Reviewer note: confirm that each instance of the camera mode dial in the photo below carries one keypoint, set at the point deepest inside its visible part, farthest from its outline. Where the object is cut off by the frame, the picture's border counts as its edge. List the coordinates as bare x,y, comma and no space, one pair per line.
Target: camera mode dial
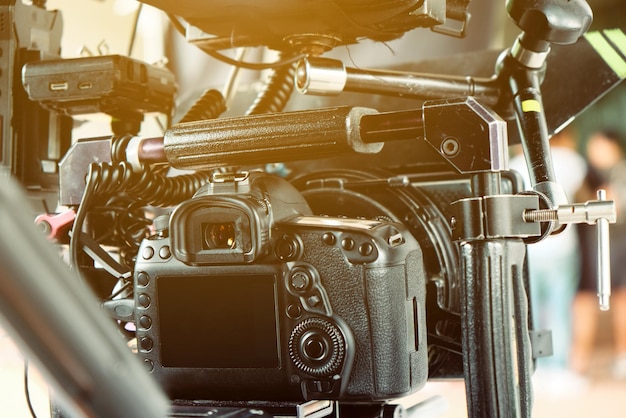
317,347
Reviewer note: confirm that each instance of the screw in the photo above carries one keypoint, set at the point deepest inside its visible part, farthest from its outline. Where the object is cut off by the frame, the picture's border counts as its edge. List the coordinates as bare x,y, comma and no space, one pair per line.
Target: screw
450,146
541,215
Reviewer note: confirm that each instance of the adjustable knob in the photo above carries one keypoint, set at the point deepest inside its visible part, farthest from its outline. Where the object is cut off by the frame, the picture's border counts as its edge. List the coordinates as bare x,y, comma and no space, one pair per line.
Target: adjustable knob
557,21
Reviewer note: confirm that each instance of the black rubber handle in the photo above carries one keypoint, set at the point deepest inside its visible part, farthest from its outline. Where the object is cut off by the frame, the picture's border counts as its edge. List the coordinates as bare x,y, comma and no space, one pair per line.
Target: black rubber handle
267,138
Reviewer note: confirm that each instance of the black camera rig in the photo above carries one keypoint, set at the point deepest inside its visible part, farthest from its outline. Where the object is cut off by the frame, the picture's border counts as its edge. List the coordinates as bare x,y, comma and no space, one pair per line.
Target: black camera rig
335,280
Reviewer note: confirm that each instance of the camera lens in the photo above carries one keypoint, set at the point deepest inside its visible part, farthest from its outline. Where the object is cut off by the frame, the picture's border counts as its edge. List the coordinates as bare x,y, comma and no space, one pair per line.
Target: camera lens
220,236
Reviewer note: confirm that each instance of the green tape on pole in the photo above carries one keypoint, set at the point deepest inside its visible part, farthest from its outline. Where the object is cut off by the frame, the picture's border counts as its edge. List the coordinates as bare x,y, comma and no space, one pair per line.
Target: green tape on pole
612,58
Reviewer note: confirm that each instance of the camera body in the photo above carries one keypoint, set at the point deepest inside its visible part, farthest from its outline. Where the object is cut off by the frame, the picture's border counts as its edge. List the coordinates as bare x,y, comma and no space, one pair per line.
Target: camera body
248,296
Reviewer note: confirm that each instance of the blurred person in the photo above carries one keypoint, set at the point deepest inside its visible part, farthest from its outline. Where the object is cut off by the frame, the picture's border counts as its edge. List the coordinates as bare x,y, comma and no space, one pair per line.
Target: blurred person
554,267
607,170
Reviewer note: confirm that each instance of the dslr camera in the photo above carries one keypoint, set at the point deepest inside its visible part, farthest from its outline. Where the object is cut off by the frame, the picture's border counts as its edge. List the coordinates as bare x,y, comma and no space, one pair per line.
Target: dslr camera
242,293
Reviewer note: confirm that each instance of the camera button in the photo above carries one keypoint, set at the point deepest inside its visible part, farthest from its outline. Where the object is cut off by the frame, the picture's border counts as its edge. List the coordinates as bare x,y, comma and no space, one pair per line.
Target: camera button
165,252
329,239
287,248
314,347
366,249
294,311
146,344
143,300
149,364
347,244
143,278
145,322
299,280
147,253
313,300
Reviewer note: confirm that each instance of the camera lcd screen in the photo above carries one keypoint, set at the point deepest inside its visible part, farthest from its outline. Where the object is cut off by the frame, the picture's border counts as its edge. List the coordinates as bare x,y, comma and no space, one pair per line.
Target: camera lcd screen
218,322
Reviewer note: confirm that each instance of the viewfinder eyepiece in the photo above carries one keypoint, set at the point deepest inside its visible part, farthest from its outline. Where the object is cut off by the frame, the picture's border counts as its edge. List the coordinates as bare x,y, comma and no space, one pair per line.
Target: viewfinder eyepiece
220,235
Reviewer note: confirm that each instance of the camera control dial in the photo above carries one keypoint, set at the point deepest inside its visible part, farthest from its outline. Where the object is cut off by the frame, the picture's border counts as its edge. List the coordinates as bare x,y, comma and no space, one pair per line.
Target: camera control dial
317,347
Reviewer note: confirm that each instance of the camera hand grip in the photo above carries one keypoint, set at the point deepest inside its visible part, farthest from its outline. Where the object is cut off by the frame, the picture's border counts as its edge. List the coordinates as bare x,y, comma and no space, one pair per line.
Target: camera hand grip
267,138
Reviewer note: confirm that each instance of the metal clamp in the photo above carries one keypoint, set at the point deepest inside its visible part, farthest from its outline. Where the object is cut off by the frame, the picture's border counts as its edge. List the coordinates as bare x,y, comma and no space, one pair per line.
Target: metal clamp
600,212
490,217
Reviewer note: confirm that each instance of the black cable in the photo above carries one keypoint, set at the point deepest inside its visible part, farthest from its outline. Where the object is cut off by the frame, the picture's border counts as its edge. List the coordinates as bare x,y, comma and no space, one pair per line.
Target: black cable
276,91
209,106
81,214
126,224
29,402
255,65
243,64
105,180
132,225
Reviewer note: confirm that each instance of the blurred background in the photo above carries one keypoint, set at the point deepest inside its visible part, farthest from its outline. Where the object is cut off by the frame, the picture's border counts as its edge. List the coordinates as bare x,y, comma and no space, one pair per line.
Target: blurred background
590,378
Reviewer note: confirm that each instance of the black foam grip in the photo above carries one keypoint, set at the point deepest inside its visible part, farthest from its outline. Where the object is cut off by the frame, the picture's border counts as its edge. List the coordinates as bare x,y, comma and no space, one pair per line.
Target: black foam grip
268,138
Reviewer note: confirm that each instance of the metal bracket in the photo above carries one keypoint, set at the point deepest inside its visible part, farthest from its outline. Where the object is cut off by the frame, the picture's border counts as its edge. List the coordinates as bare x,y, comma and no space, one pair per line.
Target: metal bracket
470,136
75,163
457,29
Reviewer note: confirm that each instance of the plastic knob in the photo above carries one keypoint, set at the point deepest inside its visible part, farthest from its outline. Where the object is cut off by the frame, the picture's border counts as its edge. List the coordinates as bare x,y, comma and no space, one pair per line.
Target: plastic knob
555,21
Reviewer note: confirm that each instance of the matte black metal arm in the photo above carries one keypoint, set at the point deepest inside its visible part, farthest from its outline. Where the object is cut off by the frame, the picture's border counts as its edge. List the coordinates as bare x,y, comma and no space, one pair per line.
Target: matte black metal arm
543,22
525,88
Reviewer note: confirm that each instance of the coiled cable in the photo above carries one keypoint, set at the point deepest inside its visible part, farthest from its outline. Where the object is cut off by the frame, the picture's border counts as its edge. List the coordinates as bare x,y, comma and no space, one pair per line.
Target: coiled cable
209,106
106,179
144,184
118,147
276,91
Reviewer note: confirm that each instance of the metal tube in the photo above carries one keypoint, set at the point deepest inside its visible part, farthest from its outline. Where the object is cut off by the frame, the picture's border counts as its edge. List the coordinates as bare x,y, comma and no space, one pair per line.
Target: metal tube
604,259
422,86
324,76
151,150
